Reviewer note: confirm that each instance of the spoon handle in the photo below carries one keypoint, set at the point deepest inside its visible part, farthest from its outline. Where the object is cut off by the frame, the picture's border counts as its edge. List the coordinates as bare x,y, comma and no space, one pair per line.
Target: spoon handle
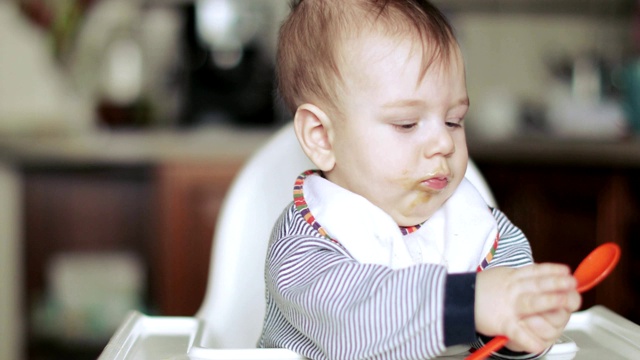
484,352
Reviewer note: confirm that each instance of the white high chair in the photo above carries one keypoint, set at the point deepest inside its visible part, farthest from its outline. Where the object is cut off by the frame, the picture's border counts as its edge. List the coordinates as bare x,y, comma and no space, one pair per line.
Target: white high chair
229,322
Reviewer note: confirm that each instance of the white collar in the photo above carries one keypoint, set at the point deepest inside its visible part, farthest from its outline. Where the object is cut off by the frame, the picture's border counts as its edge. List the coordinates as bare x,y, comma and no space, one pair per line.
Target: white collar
459,235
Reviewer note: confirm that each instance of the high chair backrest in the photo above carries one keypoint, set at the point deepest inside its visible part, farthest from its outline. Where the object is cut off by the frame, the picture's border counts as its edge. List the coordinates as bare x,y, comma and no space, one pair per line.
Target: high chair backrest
233,307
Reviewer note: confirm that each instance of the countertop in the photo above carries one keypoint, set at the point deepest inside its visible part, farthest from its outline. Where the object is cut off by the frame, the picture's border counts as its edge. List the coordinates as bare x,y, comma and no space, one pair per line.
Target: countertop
558,151
135,147
221,143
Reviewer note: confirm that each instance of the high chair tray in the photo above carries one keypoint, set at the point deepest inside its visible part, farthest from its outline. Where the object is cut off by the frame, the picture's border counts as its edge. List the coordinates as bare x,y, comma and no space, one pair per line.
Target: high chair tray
593,334
602,334
142,337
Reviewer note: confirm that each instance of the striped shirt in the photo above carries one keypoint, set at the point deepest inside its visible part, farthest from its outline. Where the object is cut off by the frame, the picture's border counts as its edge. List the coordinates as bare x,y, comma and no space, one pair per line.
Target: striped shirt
323,304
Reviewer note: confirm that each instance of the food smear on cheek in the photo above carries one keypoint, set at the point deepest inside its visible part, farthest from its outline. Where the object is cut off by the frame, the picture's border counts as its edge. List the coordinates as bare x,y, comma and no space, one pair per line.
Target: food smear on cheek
420,195
421,198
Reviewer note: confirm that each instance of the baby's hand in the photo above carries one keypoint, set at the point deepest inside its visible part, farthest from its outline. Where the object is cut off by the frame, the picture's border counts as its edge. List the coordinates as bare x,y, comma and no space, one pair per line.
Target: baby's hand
530,305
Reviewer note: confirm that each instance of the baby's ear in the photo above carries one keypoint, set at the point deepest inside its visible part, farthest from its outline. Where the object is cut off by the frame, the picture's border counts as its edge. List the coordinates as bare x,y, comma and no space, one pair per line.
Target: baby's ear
313,129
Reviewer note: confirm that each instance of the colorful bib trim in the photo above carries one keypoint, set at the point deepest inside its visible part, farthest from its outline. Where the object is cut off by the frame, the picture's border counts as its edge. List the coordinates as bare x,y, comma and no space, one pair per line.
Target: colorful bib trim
301,203
490,255
303,208
406,230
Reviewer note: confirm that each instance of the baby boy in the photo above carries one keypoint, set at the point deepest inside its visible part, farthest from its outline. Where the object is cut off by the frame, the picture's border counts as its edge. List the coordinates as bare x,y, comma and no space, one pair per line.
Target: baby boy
387,251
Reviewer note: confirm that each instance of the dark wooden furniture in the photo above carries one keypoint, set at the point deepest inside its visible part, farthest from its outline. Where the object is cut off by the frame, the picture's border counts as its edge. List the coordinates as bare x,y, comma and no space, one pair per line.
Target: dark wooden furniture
189,198
568,197
164,214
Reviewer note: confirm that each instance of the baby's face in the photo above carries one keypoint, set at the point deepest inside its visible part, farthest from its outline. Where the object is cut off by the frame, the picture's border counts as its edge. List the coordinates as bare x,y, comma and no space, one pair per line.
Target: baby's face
401,142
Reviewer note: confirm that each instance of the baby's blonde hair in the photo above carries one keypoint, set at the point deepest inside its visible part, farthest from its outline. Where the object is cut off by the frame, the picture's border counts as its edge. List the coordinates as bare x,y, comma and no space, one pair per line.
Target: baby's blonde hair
310,39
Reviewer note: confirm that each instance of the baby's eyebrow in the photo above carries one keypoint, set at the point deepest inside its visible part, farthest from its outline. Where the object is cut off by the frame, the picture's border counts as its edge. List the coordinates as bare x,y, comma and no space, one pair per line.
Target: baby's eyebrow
404,103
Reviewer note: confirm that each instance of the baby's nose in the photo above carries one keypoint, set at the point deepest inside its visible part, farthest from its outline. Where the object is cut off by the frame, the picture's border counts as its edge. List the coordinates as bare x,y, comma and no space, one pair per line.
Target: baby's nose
439,142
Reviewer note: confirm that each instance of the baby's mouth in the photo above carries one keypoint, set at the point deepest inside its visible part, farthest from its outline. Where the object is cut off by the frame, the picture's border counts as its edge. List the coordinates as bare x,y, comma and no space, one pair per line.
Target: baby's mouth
437,183
437,179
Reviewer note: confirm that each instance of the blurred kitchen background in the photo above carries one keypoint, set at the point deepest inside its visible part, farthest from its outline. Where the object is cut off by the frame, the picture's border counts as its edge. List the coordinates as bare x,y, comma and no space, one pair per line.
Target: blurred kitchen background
123,122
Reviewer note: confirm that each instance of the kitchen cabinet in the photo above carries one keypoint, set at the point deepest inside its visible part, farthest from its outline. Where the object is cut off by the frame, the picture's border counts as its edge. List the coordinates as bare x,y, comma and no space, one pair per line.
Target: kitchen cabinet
164,214
189,198
569,197
77,210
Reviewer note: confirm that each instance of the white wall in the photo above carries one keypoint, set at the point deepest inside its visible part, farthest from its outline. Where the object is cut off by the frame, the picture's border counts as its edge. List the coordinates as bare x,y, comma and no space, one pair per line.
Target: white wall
508,57
511,50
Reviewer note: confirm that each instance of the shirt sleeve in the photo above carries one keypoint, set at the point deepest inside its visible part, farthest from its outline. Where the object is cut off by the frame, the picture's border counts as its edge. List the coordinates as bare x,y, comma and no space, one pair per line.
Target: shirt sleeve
324,304
459,304
353,310
513,247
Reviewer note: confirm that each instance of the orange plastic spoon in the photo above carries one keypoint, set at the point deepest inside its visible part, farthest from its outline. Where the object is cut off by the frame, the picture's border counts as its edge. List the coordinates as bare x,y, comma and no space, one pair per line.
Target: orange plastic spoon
591,271
597,266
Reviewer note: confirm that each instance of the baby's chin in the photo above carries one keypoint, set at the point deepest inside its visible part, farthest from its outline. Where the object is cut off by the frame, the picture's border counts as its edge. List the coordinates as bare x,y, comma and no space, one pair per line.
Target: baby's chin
407,221
412,214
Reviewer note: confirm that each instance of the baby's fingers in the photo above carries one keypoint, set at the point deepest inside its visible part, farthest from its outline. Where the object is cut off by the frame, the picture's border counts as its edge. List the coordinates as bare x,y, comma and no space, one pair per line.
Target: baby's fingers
548,326
555,283
535,303
574,301
543,270
546,278
558,318
521,338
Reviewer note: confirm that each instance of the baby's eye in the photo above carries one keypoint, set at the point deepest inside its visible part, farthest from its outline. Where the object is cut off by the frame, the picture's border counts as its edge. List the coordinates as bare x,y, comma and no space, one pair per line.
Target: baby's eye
406,126
454,123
